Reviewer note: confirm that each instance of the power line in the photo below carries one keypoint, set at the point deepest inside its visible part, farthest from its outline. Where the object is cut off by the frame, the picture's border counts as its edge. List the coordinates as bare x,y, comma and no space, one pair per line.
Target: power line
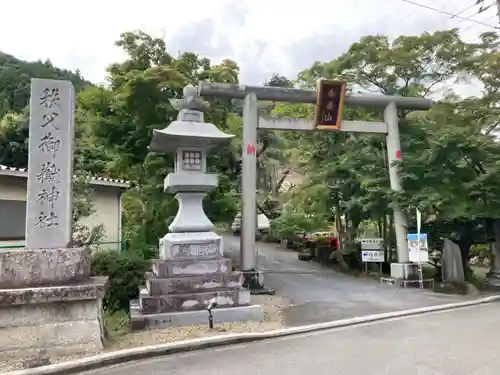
451,14
471,26
481,10
465,9
489,18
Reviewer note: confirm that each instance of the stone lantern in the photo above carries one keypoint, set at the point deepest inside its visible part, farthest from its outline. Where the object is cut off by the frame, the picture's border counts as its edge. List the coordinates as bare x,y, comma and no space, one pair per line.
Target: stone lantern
192,272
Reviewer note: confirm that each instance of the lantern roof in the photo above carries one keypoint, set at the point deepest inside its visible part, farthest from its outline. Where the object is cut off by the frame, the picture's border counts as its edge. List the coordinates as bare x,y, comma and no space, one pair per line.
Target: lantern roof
189,130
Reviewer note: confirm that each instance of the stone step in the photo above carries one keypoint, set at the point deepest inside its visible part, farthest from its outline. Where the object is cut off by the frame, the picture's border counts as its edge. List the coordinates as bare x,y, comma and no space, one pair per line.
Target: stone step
191,301
195,267
192,284
177,319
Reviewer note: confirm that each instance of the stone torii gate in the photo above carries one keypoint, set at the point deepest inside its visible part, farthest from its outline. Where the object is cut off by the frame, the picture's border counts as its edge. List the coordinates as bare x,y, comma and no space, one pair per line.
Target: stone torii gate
403,269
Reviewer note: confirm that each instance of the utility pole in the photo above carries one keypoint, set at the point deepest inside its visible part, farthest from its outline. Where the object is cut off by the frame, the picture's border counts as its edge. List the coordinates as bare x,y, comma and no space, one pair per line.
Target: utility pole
498,9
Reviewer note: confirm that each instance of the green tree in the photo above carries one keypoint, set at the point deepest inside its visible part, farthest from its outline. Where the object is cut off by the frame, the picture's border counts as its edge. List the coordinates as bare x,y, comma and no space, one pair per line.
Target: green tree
449,156
119,121
83,235
15,80
14,140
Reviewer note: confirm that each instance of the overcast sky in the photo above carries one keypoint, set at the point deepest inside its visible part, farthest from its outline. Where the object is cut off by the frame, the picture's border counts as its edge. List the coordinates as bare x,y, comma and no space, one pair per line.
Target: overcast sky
263,36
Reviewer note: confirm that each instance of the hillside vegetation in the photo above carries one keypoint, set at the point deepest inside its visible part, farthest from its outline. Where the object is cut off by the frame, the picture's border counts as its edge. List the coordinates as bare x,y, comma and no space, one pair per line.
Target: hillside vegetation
15,76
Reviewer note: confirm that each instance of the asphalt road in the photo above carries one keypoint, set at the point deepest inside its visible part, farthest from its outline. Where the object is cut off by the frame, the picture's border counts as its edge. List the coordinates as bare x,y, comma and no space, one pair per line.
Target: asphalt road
319,294
459,342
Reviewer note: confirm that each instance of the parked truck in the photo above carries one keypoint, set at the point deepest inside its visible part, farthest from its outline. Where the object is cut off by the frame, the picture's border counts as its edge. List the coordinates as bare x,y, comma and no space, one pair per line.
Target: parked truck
262,225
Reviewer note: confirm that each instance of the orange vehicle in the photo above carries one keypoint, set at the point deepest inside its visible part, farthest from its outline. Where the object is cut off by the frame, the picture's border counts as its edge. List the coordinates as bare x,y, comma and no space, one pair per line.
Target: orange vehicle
330,236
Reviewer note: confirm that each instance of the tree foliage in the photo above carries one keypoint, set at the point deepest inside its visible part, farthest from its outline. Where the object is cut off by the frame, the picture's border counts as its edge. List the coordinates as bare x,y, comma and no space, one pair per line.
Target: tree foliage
15,77
117,123
450,153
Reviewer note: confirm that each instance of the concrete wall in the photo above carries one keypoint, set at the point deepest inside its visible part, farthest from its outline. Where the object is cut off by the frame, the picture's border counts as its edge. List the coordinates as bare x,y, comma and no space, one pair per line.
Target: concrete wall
107,204
106,200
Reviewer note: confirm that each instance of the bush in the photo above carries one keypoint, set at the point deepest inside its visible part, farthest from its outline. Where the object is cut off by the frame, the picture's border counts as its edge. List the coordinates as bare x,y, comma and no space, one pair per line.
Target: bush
126,274
290,225
117,323
352,256
147,252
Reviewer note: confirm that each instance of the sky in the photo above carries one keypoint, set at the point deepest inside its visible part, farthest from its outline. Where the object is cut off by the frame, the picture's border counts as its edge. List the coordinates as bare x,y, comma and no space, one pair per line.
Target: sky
262,36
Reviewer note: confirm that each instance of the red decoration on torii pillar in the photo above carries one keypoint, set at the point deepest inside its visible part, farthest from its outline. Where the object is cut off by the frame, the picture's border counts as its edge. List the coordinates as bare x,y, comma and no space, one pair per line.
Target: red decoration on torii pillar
398,154
251,150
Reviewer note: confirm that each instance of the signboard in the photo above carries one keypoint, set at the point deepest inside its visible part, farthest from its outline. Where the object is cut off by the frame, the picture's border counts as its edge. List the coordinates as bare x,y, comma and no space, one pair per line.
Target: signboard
329,104
374,256
419,253
371,243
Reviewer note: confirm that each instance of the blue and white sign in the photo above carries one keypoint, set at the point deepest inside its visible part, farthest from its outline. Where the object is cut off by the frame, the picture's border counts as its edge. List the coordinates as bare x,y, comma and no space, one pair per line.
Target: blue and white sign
372,256
419,250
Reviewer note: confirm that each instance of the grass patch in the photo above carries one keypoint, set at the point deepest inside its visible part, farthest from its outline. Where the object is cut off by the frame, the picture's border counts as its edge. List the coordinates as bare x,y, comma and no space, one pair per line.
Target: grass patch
117,324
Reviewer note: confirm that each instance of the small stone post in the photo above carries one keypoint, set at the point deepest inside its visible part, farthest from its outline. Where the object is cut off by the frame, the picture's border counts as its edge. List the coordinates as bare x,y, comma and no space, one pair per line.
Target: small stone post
191,272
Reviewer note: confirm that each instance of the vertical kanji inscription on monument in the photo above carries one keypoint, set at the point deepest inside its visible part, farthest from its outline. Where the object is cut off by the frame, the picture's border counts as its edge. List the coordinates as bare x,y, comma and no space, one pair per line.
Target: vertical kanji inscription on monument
50,164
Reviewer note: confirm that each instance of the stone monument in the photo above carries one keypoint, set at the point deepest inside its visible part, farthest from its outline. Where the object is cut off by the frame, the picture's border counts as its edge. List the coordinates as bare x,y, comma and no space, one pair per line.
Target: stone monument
49,304
451,262
493,276
191,272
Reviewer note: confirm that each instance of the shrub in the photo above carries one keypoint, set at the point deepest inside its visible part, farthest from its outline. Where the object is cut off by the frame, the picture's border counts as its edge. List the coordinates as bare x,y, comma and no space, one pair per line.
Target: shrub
125,272
147,252
291,225
352,256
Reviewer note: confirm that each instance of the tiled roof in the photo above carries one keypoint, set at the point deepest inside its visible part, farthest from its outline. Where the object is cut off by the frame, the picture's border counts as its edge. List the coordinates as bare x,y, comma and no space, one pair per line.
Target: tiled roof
104,181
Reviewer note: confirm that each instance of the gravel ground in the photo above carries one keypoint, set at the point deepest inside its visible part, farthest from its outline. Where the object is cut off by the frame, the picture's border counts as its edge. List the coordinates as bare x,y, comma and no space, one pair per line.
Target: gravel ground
273,319
272,306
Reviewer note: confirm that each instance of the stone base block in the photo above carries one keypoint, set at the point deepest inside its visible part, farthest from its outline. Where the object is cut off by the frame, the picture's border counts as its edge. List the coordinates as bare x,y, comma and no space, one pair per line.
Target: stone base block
192,301
199,245
51,321
176,319
193,284
22,268
50,339
408,283
48,313
91,289
406,271
194,267
492,282
35,357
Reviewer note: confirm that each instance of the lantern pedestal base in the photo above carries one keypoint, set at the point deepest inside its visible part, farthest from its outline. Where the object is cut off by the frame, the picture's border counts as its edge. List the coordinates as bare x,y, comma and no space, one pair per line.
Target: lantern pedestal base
142,321
198,245
178,292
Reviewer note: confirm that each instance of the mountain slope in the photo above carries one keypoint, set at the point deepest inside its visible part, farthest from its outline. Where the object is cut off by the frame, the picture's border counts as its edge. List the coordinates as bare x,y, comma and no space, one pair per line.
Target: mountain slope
15,76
